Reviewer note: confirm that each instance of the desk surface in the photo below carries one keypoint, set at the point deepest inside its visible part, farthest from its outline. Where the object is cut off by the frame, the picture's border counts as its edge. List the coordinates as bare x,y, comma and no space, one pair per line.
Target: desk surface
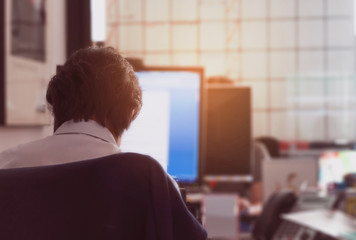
333,223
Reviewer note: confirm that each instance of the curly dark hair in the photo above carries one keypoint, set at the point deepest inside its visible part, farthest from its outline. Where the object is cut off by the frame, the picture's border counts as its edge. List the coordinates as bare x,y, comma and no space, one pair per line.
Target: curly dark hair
95,83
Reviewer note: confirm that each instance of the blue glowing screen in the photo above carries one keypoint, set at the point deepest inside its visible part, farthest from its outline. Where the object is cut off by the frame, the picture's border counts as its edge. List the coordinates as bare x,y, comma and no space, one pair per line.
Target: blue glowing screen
167,127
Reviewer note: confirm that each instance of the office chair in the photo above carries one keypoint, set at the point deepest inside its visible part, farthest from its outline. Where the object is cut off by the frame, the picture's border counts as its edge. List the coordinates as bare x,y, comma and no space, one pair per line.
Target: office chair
268,222
121,196
272,145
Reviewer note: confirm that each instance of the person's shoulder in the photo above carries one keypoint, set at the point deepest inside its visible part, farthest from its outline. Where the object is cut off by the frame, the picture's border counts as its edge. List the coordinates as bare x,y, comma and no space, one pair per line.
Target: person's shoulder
10,157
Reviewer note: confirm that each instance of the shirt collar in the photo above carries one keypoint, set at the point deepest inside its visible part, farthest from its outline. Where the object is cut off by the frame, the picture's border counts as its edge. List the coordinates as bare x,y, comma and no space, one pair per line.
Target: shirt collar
89,127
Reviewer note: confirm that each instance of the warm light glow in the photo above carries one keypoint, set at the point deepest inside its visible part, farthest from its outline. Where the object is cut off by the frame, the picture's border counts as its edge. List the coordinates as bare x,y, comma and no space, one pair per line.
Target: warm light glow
98,20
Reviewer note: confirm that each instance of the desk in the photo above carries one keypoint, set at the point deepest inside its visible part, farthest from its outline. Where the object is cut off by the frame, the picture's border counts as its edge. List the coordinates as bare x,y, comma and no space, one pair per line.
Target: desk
333,223
220,214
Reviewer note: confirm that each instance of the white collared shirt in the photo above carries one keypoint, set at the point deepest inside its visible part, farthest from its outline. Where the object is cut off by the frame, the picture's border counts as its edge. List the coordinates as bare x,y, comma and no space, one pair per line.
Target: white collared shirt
72,141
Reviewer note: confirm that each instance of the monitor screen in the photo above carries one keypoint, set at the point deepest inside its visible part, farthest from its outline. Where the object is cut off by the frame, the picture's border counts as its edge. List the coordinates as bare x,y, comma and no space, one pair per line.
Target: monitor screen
168,126
334,165
228,135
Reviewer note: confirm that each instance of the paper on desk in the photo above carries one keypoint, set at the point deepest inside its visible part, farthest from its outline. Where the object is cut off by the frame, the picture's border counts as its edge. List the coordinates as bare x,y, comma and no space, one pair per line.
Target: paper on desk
333,223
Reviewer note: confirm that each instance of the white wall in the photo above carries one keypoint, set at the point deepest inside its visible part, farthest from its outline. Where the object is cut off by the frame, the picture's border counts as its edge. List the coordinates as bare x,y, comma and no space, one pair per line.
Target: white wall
11,136
259,43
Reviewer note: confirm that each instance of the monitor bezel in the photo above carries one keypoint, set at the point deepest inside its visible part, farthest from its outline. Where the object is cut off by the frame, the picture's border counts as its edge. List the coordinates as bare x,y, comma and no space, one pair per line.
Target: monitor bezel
200,71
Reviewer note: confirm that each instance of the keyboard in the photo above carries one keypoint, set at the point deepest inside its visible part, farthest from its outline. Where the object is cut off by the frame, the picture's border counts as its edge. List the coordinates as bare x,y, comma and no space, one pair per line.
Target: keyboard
287,230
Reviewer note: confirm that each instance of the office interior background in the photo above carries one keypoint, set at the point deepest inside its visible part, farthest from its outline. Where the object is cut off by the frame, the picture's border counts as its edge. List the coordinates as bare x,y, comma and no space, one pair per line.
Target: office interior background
297,56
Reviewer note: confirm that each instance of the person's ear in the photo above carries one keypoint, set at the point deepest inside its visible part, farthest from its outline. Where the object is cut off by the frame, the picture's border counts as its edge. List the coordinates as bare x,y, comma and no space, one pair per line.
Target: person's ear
134,114
55,125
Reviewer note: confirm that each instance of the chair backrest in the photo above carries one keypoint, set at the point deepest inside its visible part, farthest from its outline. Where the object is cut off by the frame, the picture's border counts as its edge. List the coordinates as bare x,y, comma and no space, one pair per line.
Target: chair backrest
122,196
272,145
260,154
270,218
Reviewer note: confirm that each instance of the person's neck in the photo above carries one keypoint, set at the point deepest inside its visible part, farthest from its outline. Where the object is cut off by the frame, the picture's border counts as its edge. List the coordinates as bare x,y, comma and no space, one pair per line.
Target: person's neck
108,127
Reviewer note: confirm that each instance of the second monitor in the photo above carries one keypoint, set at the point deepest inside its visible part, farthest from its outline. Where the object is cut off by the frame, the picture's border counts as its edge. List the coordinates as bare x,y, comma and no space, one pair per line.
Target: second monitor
228,136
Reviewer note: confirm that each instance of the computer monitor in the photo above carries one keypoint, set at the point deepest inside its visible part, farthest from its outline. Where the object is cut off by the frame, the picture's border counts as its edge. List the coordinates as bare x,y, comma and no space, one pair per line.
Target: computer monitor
334,165
228,138
168,126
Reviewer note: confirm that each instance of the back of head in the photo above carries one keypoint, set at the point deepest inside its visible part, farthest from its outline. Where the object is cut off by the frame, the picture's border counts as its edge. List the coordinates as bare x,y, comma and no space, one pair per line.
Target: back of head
95,83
